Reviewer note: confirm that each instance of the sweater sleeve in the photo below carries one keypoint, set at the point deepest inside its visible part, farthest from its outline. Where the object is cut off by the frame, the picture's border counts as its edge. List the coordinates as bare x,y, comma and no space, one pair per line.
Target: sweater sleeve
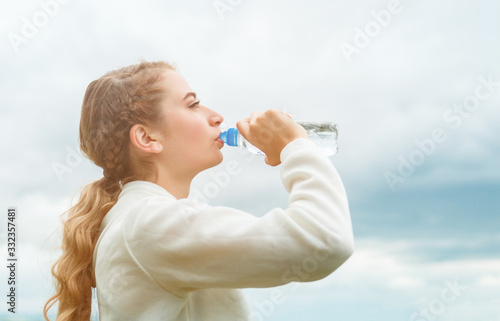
186,247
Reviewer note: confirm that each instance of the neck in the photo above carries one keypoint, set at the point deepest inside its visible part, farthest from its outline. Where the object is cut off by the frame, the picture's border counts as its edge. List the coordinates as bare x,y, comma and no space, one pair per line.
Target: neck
178,186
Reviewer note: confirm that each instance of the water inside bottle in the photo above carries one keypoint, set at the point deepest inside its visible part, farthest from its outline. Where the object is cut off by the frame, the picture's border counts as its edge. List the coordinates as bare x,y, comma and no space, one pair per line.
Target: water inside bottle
323,134
251,148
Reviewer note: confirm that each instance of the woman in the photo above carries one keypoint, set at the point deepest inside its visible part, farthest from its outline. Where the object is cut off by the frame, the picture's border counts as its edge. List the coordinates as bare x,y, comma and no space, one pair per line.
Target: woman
154,254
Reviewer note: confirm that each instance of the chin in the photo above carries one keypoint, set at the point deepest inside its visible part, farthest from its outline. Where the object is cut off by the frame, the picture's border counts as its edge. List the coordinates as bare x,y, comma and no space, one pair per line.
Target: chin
214,162
220,159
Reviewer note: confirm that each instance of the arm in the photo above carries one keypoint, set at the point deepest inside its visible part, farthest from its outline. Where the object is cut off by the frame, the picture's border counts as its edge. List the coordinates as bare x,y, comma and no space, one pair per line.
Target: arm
185,248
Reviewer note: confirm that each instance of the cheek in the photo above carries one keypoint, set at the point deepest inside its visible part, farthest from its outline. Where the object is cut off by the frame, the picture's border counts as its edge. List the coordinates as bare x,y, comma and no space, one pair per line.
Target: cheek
189,134
195,132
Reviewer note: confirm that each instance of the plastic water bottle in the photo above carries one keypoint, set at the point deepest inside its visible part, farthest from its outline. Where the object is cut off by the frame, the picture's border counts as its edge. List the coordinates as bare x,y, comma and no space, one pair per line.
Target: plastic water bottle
323,134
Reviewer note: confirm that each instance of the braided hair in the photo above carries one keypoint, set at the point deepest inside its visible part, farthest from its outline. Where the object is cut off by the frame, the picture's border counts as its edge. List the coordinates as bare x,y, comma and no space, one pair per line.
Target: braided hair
112,105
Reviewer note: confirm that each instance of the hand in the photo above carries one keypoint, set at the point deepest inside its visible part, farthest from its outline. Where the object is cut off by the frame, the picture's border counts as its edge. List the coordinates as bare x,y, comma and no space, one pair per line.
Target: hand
270,132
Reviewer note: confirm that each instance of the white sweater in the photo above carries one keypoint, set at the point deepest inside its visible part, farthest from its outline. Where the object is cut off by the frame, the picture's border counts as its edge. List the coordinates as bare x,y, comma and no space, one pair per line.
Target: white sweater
159,258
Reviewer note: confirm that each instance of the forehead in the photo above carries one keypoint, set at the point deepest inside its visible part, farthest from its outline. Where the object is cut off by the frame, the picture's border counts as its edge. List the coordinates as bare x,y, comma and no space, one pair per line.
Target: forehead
176,85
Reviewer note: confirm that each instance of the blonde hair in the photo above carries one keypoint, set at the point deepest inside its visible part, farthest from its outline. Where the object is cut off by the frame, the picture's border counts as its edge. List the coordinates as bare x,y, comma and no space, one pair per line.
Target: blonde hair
112,104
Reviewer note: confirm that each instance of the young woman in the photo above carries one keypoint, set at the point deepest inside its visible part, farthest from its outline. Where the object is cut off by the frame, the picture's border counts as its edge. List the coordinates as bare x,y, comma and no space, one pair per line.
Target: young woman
154,254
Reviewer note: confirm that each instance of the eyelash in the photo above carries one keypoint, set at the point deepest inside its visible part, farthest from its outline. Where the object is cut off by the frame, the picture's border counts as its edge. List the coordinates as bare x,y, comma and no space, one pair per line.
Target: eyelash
195,104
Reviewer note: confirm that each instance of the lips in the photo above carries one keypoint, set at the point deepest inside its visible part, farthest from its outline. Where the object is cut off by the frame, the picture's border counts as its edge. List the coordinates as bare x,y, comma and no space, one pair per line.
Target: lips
219,140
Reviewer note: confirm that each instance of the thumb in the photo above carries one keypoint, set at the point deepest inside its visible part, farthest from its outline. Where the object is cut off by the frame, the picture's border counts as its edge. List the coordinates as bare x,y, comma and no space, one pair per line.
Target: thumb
275,162
266,159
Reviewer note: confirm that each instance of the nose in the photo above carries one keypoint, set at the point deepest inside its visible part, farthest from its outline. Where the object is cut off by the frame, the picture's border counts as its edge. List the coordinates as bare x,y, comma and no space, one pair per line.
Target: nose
215,118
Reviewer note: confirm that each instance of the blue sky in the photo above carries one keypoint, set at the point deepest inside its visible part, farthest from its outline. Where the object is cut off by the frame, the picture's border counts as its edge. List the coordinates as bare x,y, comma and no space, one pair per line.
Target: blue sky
416,97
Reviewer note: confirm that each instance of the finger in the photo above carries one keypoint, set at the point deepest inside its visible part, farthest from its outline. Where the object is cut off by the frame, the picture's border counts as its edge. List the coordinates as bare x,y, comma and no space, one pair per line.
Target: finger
243,126
254,116
244,120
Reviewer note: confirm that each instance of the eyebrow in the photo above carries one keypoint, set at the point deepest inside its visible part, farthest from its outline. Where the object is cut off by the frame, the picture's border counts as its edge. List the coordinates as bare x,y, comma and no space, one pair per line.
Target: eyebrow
190,94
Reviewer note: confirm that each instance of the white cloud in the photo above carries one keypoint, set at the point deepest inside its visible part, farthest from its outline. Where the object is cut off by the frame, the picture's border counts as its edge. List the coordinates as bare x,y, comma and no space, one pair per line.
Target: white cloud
380,274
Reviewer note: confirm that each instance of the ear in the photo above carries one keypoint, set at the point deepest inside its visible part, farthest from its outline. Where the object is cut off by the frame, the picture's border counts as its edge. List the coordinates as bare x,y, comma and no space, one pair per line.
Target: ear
142,138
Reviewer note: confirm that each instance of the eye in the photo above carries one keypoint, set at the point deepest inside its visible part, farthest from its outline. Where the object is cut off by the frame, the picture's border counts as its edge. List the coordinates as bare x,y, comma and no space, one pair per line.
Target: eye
194,104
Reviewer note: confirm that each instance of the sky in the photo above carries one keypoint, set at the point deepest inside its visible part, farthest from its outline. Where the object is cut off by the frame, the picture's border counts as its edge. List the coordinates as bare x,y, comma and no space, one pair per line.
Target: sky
414,87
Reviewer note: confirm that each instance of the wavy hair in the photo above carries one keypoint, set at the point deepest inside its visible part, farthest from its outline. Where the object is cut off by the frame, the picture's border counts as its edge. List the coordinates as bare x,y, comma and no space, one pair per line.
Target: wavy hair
112,104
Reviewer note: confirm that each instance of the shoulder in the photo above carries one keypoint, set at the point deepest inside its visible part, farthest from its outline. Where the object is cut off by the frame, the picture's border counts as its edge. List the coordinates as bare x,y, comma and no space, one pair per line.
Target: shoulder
154,215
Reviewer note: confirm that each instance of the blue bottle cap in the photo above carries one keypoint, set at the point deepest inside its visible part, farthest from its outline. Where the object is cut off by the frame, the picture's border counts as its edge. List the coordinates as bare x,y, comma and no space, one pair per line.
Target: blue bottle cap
230,137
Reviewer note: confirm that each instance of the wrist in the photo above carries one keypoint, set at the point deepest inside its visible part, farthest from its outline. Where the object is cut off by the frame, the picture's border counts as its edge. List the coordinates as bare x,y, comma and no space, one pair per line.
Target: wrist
297,144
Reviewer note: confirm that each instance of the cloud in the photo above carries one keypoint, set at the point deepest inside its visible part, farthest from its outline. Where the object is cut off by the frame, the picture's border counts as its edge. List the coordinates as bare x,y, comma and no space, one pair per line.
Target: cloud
382,281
